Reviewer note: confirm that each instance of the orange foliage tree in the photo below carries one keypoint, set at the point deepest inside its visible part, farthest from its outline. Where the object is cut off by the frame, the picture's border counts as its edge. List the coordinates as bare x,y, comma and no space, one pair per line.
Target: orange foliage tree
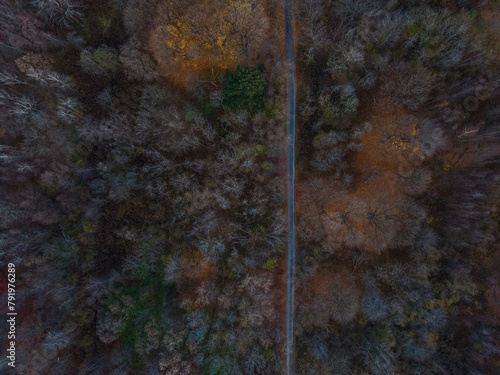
206,37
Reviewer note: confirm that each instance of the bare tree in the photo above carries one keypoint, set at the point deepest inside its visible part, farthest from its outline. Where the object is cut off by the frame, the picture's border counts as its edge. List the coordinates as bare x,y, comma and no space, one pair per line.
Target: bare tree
59,12
415,85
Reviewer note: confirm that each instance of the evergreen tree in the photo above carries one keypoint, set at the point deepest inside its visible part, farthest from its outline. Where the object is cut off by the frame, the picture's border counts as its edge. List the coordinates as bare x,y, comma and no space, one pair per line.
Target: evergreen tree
245,89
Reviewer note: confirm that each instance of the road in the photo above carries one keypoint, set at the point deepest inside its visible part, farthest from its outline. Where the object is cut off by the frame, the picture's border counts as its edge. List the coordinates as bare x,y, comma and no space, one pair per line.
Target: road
290,349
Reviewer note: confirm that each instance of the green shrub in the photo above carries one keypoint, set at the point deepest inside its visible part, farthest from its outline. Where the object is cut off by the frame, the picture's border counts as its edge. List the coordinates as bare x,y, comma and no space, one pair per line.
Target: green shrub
270,264
245,89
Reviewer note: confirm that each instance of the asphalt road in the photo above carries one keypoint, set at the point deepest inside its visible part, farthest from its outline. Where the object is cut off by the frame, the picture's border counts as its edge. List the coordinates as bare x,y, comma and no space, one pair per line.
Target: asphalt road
290,356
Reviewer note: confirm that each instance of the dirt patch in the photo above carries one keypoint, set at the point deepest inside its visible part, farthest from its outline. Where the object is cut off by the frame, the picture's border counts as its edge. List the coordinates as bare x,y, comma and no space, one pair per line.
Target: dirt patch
197,286
365,214
326,279
329,295
384,149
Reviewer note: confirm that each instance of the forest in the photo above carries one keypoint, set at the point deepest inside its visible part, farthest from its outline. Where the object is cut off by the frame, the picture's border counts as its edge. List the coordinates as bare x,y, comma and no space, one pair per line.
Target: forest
143,195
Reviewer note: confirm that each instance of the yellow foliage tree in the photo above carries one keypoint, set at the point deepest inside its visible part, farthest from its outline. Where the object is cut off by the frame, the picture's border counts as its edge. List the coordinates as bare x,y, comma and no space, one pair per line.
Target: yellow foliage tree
206,36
